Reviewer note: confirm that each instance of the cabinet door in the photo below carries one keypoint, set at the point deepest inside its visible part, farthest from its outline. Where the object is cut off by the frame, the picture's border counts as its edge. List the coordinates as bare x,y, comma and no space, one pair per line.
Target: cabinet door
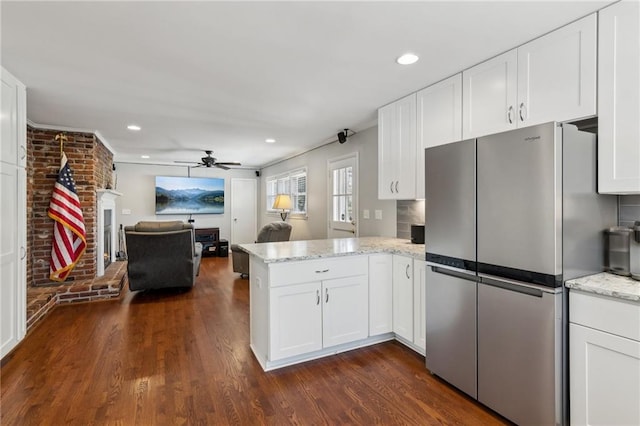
386,152
419,304
439,115
397,149
557,75
604,377
380,294
12,257
403,297
14,125
345,315
489,96
296,320
618,103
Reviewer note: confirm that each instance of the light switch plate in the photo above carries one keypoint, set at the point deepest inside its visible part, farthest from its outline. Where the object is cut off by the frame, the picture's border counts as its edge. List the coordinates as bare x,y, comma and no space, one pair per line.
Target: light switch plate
379,214
126,211
365,214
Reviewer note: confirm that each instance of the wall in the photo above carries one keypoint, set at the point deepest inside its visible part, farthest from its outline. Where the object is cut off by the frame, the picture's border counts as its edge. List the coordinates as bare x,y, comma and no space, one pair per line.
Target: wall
365,143
136,182
629,210
409,212
91,164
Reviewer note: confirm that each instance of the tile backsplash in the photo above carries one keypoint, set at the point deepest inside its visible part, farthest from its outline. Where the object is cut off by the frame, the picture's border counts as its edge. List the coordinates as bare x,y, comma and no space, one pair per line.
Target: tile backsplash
409,212
629,209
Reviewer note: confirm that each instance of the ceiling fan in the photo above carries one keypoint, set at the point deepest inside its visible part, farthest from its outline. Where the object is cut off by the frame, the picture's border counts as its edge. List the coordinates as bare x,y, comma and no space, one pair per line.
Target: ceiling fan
210,161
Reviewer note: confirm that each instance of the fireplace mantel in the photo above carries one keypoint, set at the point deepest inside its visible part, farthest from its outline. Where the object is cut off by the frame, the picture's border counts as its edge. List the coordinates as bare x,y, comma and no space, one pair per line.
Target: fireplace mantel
106,200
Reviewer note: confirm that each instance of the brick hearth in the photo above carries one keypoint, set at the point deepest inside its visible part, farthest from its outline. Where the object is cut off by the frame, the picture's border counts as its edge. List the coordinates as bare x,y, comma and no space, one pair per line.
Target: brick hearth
40,300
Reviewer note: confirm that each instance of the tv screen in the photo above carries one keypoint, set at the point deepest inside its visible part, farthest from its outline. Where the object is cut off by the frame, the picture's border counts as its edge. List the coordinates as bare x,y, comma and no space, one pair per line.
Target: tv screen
189,195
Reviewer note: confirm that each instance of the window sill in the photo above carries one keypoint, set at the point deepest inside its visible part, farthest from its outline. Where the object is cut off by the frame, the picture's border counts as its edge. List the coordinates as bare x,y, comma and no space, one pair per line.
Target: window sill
296,216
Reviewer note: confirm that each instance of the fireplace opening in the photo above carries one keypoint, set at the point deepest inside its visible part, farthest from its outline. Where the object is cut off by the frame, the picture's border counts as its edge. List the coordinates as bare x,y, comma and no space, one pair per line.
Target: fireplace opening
107,238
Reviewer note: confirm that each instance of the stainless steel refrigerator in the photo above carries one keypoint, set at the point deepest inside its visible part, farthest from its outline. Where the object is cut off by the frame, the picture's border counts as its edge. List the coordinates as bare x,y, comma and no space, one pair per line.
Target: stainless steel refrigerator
510,217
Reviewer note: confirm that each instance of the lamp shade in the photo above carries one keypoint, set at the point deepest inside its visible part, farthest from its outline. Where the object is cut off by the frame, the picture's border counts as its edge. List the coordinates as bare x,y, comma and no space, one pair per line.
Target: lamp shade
283,201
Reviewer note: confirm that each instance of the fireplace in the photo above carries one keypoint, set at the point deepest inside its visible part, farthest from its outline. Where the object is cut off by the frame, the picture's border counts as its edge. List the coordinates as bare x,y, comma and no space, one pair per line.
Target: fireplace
106,244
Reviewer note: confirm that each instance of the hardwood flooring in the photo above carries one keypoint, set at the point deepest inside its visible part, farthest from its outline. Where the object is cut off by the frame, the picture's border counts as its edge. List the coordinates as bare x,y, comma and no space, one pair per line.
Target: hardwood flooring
183,358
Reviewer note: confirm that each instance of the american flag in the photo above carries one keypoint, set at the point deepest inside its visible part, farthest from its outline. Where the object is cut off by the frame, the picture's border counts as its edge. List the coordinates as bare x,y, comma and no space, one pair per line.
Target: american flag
69,236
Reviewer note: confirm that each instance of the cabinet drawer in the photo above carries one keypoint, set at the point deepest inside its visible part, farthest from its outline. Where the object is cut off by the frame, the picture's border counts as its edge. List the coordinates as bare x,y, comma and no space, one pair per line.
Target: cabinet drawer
615,316
316,270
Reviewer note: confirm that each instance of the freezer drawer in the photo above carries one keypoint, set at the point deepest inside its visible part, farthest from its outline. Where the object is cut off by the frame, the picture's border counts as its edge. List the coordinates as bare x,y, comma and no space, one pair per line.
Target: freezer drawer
520,352
451,327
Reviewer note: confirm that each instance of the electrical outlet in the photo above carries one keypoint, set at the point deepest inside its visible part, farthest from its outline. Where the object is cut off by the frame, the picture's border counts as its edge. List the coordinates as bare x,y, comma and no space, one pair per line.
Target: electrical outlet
365,214
126,211
379,214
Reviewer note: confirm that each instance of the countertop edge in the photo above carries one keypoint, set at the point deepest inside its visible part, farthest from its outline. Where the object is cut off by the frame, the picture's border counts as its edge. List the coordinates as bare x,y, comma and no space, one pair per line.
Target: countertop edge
606,284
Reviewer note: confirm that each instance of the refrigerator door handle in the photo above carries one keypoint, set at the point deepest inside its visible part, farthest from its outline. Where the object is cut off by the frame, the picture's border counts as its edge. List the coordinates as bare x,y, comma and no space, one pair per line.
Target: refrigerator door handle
456,274
511,287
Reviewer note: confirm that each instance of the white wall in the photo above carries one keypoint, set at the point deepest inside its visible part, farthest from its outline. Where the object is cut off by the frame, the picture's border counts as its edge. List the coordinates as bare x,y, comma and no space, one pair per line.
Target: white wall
136,182
315,226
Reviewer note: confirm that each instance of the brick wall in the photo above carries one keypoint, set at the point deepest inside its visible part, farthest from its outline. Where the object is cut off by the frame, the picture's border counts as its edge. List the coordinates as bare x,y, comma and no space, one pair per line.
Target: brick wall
91,164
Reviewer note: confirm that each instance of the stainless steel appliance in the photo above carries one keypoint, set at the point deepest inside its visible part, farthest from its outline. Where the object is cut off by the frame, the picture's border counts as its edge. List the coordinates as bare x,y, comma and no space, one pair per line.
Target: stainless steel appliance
510,218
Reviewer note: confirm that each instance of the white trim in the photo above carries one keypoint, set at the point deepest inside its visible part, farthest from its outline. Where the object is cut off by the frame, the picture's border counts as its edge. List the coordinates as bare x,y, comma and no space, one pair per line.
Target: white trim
106,200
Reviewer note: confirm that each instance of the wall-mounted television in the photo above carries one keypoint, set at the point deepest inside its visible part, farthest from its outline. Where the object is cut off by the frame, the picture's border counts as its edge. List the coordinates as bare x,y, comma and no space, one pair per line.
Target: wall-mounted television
189,195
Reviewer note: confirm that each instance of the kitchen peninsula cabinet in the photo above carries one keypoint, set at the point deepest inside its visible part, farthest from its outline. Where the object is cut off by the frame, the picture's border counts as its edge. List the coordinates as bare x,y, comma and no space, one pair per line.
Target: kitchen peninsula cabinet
397,150
13,214
618,100
552,78
380,294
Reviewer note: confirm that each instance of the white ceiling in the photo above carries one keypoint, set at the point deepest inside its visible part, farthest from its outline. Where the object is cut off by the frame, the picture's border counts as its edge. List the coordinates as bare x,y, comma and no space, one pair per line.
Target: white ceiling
227,75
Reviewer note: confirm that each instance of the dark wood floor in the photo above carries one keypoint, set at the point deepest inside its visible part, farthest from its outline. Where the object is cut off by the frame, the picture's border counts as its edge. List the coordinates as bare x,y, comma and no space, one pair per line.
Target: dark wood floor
176,357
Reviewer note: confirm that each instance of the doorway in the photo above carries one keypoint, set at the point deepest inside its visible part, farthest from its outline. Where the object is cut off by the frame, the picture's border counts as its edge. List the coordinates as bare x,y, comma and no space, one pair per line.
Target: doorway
343,197
244,211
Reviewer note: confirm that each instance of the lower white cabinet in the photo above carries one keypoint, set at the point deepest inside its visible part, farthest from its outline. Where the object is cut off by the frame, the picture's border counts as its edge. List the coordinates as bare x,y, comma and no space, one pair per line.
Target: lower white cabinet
403,297
380,294
409,313
604,360
419,304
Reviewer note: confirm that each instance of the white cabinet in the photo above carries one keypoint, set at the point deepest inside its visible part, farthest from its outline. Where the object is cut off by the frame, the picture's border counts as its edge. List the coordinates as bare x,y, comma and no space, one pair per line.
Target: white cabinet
419,304
296,320
403,297
550,78
439,120
13,208
604,363
380,294
409,302
301,310
490,96
397,150
618,100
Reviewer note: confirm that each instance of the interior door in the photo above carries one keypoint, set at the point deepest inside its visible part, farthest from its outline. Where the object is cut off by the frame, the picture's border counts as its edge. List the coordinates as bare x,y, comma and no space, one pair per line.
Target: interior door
244,211
343,197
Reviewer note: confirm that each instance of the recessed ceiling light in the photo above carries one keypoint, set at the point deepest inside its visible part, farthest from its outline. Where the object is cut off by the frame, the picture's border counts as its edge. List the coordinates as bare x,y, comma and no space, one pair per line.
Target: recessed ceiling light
270,140
407,59
133,127
144,156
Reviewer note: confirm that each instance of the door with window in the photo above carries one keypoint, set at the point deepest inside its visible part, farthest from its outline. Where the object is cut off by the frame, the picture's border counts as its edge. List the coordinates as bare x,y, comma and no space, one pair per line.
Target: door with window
343,197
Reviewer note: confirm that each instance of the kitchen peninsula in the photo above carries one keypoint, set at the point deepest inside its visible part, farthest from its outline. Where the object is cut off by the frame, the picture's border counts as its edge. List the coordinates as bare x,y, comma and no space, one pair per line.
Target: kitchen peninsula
310,299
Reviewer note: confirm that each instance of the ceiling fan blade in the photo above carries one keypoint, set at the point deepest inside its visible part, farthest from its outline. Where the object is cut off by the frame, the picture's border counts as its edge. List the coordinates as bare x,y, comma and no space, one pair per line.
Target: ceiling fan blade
221,166
229,163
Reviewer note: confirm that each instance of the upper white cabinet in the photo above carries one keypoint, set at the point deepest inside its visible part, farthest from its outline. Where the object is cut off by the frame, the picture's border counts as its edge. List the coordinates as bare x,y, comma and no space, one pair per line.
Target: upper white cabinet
13,208
397,150
439,120
618,100
550,78
490,96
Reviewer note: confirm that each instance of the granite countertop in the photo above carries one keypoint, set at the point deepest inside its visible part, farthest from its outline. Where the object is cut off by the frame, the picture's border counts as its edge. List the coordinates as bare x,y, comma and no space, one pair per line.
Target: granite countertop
608,284
315,249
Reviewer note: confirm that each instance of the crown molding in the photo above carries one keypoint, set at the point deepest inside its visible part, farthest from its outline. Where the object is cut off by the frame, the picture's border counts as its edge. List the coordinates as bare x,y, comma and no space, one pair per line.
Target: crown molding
97,133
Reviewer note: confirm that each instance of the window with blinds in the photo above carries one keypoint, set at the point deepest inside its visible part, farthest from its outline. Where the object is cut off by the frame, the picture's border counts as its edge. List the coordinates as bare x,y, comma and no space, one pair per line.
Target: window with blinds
293,183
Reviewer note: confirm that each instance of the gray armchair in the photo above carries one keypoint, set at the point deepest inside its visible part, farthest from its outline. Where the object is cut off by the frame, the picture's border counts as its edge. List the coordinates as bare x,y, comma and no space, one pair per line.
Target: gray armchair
161,255
271,232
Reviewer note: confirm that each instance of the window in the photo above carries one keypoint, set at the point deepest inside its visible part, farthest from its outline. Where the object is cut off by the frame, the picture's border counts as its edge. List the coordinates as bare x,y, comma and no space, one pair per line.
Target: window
343,194
293,183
